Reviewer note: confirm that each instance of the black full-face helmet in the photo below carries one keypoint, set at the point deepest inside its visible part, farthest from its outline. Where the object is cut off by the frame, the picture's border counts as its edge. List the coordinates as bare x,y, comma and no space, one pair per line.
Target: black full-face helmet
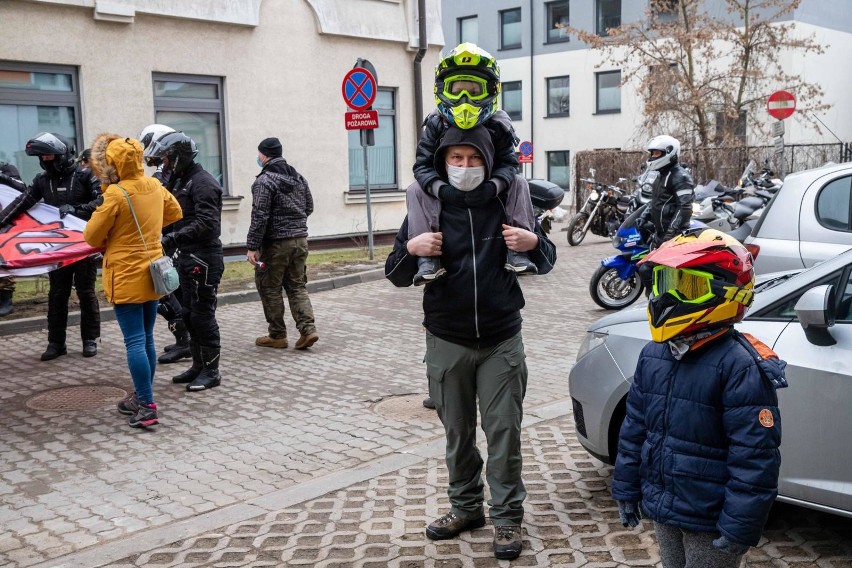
178,149
51,144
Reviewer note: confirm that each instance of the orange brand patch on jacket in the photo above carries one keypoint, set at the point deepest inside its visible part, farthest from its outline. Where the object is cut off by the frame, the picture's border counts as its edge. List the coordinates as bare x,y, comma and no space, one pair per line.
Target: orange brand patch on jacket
765,418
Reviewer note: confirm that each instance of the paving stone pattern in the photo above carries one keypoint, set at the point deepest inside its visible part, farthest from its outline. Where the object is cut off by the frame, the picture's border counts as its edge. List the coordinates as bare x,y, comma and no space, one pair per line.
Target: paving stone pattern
82,482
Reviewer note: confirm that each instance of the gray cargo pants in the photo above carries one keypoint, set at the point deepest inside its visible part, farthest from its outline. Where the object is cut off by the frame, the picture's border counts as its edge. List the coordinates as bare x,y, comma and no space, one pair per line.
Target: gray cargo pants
496,375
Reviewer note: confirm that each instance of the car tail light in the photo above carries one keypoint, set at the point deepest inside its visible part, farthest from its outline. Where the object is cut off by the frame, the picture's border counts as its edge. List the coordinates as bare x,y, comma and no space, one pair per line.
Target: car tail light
753,249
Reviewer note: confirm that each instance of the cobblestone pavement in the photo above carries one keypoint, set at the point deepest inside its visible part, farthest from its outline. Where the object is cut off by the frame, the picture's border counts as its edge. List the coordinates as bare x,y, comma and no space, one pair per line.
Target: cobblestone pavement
315,458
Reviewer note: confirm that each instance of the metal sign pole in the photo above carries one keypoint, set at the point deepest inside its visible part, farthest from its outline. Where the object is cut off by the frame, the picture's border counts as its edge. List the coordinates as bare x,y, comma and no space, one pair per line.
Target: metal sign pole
367,190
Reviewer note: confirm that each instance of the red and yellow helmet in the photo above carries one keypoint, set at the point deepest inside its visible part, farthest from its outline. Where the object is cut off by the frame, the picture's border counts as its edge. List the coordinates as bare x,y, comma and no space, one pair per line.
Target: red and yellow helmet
702,280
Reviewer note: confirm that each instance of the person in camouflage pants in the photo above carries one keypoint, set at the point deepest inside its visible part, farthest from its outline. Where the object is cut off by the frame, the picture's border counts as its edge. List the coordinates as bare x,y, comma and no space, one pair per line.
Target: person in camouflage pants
277,244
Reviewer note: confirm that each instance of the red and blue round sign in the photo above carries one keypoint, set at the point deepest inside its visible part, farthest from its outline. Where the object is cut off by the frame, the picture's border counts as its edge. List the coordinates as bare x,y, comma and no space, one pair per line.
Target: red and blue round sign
359,89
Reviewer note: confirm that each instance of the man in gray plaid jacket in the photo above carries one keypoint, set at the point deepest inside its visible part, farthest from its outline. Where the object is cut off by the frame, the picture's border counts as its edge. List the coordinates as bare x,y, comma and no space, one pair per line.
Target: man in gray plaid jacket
277,243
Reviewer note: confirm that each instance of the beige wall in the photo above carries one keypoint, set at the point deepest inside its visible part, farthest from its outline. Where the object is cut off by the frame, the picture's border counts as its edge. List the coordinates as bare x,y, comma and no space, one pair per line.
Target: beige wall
282,78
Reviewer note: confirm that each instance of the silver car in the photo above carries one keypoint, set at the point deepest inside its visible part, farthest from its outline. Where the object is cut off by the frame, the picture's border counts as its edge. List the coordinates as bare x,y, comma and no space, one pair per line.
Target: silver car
806,317
807,221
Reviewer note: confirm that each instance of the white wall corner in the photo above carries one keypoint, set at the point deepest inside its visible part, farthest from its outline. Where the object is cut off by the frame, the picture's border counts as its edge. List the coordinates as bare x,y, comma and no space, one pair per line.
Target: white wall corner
434,26
120,11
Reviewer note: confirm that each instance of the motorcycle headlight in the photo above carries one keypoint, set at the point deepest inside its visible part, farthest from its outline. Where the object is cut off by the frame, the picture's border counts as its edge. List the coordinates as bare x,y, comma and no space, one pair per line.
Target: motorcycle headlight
592,340
696,208
594,195
616,240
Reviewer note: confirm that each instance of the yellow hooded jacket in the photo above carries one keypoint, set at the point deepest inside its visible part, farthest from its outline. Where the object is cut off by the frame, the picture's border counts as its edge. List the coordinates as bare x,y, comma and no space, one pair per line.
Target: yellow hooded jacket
126,273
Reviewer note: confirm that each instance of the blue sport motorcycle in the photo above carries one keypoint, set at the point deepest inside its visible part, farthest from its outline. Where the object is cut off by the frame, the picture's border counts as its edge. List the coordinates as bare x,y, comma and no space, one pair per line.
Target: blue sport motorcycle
616,283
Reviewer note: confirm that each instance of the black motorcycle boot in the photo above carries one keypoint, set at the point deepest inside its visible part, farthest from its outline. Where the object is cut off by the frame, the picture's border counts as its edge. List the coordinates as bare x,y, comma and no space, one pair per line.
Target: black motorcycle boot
209,376
90,347
192,373
180,350
53,351
6,305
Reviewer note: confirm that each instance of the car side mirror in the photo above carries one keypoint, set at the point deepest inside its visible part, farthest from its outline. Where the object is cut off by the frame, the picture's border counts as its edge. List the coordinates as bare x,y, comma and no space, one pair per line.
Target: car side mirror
815,310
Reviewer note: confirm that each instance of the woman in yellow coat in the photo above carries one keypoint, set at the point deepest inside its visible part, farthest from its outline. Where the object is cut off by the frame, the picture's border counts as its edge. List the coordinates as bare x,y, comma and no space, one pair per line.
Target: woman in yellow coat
117,161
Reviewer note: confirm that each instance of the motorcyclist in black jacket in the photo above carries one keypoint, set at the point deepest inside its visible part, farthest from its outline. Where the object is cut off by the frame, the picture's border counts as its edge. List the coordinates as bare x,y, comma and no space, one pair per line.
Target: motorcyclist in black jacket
200,259
670,209
74,191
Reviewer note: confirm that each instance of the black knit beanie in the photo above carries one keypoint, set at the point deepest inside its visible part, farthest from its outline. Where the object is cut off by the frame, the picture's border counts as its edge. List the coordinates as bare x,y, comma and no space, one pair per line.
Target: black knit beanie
271,148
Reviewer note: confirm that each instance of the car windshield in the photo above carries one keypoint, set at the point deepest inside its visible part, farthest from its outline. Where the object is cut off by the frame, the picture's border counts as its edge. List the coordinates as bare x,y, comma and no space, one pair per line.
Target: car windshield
773,282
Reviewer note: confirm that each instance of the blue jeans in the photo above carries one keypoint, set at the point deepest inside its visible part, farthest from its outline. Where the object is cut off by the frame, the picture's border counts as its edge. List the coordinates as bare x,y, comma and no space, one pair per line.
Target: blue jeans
137,325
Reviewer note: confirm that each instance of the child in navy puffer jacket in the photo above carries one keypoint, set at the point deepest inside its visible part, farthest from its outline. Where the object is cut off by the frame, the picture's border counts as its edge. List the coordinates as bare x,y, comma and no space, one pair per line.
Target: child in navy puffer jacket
698,450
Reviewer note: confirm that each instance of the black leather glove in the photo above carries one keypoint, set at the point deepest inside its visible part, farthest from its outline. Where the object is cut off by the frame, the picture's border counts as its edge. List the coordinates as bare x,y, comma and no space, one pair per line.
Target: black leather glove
486,191
65,210
169,244
449,194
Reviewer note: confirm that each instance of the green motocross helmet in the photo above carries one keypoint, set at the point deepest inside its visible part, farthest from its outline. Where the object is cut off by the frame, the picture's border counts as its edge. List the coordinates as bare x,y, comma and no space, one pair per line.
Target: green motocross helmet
467,82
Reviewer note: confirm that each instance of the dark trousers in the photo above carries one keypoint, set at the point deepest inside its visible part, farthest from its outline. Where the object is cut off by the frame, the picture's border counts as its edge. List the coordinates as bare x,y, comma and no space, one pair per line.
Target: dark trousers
200,273
81,276
284,261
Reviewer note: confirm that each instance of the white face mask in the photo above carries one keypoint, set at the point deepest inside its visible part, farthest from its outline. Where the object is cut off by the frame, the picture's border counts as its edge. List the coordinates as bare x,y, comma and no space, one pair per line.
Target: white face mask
465,179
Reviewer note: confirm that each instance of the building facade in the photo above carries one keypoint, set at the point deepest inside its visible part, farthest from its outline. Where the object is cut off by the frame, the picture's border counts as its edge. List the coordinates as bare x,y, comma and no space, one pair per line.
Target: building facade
566,98
228,73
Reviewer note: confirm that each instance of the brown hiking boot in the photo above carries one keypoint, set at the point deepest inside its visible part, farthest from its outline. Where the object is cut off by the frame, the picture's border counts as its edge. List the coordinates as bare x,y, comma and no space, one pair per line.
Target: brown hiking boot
306,341
267,341
450,526
507,542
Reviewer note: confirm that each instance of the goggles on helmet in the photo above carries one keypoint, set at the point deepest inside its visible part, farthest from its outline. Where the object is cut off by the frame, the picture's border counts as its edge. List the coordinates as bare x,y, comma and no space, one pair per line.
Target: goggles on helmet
687,285
458,86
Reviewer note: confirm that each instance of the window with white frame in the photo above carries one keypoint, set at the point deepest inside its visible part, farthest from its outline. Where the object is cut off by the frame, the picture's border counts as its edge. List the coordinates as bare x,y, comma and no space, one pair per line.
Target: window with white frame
558,168
33,99
469,29
608,92
558,96
195,105
510,28
557,21
513,99
381,158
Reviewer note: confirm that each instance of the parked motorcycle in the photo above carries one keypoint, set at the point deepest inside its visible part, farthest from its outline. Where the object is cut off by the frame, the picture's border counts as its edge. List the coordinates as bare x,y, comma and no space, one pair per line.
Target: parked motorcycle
602,213
545,195
616,282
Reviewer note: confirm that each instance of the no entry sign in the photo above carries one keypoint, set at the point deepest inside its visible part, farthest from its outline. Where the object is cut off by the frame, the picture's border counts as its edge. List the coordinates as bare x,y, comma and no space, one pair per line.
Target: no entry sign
781,104
359,89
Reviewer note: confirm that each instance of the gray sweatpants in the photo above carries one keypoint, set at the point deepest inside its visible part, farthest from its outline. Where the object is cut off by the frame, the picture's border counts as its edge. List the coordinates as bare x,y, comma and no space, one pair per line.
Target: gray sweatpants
680,548
424,211
497,377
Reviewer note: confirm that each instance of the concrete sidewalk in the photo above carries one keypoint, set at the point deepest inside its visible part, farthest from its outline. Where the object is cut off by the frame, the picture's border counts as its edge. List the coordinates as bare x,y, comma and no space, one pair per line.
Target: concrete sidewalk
322,457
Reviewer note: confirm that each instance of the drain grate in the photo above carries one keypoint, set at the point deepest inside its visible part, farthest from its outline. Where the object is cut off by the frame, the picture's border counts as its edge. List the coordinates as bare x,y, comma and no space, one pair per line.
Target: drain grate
405,408
89,397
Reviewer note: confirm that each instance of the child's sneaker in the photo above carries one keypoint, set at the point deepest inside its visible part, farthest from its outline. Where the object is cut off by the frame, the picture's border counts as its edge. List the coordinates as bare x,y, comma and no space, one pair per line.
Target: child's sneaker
145,416
429,269
520,263
129,404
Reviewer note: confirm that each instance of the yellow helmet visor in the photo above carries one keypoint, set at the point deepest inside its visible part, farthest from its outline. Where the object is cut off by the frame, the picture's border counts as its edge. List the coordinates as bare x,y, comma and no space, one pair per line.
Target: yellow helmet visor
687,285
458,86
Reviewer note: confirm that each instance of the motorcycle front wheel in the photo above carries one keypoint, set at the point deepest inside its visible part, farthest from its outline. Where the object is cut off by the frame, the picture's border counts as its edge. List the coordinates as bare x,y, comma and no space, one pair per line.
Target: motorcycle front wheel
576,234
611,292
